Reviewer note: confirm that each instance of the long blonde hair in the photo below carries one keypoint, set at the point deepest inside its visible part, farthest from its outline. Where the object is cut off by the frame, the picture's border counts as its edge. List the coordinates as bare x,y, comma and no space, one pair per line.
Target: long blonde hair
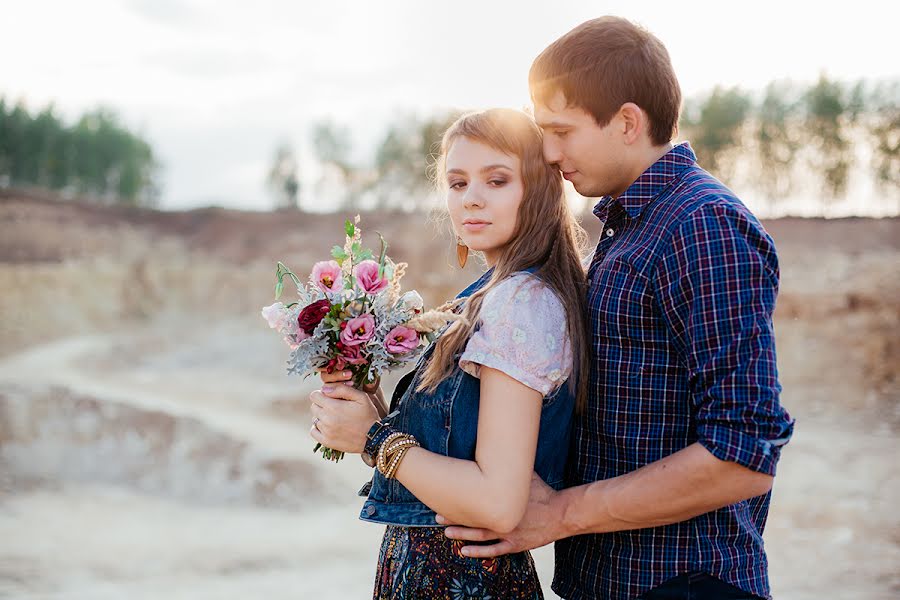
547,238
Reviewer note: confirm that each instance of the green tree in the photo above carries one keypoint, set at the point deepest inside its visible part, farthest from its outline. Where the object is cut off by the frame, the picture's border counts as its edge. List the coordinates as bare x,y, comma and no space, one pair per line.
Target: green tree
96,157
715,127
883,128
825,130
778,140
332,146
283,179
406,155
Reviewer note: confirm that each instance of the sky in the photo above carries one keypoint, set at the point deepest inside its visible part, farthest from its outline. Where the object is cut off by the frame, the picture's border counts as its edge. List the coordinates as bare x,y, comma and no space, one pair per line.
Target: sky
215,86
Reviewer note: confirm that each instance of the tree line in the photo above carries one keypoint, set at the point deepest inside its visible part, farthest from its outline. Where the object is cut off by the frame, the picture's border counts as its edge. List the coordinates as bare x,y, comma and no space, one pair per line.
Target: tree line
776,141
783,139
96,157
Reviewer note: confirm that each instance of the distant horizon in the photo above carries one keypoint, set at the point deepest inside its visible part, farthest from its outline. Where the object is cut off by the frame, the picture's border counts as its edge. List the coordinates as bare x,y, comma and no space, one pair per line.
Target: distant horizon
40,194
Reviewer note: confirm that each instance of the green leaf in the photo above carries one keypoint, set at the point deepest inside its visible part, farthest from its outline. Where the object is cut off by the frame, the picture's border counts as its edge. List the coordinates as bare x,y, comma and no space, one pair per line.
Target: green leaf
338,253
365,255
279,287
349,228
356,248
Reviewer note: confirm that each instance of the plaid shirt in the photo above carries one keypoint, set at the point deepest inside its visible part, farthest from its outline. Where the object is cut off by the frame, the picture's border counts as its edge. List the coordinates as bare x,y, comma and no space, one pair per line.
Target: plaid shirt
682,290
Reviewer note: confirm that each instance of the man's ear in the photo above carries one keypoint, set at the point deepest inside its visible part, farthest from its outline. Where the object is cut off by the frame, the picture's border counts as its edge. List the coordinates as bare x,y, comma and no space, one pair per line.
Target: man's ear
633,122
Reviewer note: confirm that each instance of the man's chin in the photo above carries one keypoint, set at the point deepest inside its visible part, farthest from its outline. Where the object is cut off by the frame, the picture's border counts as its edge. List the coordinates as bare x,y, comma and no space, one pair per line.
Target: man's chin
587,190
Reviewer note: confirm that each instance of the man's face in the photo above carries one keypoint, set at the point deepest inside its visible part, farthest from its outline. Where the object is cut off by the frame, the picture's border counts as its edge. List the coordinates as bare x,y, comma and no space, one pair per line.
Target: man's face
589,156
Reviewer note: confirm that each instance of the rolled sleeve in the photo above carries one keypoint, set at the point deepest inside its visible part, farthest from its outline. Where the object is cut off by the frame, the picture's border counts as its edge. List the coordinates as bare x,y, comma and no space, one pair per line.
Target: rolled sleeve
717,287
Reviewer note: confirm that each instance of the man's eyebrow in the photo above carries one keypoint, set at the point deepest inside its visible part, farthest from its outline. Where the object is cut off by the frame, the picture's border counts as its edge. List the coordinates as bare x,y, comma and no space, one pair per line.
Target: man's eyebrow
553,125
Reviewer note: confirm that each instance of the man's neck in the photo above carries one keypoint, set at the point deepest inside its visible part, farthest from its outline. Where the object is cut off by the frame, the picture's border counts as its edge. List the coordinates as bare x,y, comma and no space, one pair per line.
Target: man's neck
648,159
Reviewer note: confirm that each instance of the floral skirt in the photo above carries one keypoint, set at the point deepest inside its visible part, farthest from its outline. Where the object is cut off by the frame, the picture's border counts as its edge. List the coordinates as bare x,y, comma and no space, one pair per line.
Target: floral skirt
422,563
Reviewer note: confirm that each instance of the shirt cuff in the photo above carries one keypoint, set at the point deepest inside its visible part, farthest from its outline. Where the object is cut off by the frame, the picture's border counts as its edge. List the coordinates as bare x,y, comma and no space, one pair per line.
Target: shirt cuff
760,455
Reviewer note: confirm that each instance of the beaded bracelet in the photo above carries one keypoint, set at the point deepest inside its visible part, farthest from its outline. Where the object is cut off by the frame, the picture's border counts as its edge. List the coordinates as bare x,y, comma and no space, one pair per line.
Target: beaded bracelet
392,451
396,453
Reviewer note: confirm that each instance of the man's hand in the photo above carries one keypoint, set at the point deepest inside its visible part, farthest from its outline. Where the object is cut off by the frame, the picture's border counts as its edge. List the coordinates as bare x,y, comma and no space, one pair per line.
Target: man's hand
342,417
541,525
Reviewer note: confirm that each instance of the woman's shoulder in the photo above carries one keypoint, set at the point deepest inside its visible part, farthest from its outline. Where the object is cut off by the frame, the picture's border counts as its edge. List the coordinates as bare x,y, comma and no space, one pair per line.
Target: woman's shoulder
523,288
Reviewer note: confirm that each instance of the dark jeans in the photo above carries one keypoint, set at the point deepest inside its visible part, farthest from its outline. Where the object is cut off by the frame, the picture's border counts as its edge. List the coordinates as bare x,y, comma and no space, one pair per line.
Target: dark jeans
697,586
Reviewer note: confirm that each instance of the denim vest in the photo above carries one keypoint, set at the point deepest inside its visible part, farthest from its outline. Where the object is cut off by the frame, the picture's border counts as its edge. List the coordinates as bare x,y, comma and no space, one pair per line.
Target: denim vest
446,422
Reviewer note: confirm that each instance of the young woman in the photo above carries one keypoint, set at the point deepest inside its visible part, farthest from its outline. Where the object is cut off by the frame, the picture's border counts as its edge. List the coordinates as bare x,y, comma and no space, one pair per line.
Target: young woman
489,402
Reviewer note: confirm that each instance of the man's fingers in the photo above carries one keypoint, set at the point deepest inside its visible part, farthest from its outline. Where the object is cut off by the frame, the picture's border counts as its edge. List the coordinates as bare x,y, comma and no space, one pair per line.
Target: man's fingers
470,534
316,435
499,549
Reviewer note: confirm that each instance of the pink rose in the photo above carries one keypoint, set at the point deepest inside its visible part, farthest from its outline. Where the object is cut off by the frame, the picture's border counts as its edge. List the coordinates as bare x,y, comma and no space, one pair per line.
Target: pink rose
366,274
352,355
358,330
401,340
327,275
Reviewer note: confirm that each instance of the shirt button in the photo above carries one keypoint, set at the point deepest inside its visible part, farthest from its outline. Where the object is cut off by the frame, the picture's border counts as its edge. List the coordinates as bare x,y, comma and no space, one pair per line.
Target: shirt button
370,510
610,232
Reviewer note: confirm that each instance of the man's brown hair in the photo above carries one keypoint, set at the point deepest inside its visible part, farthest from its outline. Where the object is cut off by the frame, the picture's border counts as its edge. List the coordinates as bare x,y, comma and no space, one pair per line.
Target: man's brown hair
604,63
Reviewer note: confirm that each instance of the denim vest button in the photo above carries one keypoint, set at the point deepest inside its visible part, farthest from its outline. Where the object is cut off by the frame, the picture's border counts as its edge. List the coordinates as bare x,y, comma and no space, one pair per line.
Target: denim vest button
370,510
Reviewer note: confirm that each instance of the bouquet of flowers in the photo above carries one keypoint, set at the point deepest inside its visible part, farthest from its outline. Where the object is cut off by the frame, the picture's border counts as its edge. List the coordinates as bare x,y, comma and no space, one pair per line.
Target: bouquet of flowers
352,315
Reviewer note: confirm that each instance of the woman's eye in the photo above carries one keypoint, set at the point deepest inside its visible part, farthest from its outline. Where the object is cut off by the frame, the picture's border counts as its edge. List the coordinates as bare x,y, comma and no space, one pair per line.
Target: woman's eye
562,134
497,182
457,185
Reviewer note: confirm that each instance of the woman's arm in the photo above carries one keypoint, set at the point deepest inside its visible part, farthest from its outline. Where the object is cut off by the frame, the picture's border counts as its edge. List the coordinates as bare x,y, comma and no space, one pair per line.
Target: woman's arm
492,490
494,487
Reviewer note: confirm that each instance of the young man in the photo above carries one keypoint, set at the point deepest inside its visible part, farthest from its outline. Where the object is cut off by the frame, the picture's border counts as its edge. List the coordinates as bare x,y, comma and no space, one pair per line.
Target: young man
672,462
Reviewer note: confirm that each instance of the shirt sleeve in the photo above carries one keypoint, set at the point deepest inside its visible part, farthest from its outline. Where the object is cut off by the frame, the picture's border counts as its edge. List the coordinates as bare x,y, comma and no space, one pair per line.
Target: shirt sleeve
716,286
523,334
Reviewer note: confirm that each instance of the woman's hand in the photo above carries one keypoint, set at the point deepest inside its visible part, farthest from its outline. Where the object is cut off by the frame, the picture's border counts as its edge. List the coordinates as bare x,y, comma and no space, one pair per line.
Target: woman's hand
343,416
373,389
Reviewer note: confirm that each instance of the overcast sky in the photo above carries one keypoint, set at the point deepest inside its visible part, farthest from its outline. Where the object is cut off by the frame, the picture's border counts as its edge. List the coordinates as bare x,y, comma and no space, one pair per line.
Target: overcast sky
216,85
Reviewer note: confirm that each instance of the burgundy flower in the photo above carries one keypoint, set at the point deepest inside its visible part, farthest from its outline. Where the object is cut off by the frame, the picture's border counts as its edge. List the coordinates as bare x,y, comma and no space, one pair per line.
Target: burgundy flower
312,315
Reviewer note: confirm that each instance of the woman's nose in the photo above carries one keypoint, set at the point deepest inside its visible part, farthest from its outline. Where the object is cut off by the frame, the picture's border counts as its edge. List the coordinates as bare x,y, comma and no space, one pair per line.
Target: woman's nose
474,196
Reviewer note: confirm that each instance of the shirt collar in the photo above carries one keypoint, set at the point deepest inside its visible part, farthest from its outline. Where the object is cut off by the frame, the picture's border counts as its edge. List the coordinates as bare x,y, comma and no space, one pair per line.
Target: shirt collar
651,183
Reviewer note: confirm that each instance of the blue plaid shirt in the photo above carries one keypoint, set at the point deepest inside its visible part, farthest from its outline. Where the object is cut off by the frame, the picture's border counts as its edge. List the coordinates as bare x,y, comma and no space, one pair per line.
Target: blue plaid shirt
682,290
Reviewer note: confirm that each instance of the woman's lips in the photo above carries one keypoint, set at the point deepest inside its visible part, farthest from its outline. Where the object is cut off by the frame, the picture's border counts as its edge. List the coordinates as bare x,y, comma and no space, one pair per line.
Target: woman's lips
475,225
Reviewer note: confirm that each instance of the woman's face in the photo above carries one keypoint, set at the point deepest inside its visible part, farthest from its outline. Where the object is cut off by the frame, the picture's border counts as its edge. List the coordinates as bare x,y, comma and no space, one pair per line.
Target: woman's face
485,191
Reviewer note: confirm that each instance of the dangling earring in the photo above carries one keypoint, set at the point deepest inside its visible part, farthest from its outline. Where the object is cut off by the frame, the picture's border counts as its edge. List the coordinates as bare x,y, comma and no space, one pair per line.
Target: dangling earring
462,252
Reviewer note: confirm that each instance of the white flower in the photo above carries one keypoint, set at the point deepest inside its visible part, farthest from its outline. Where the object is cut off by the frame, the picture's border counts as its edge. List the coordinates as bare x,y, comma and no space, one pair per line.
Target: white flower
412,301
274,315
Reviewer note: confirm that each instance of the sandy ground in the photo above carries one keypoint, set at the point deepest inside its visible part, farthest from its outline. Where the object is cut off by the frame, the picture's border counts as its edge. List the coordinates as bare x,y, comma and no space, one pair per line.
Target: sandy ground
151,445
73,526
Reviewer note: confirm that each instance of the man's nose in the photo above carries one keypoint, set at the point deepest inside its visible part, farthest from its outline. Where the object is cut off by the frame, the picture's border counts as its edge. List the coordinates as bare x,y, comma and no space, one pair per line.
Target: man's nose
552,152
